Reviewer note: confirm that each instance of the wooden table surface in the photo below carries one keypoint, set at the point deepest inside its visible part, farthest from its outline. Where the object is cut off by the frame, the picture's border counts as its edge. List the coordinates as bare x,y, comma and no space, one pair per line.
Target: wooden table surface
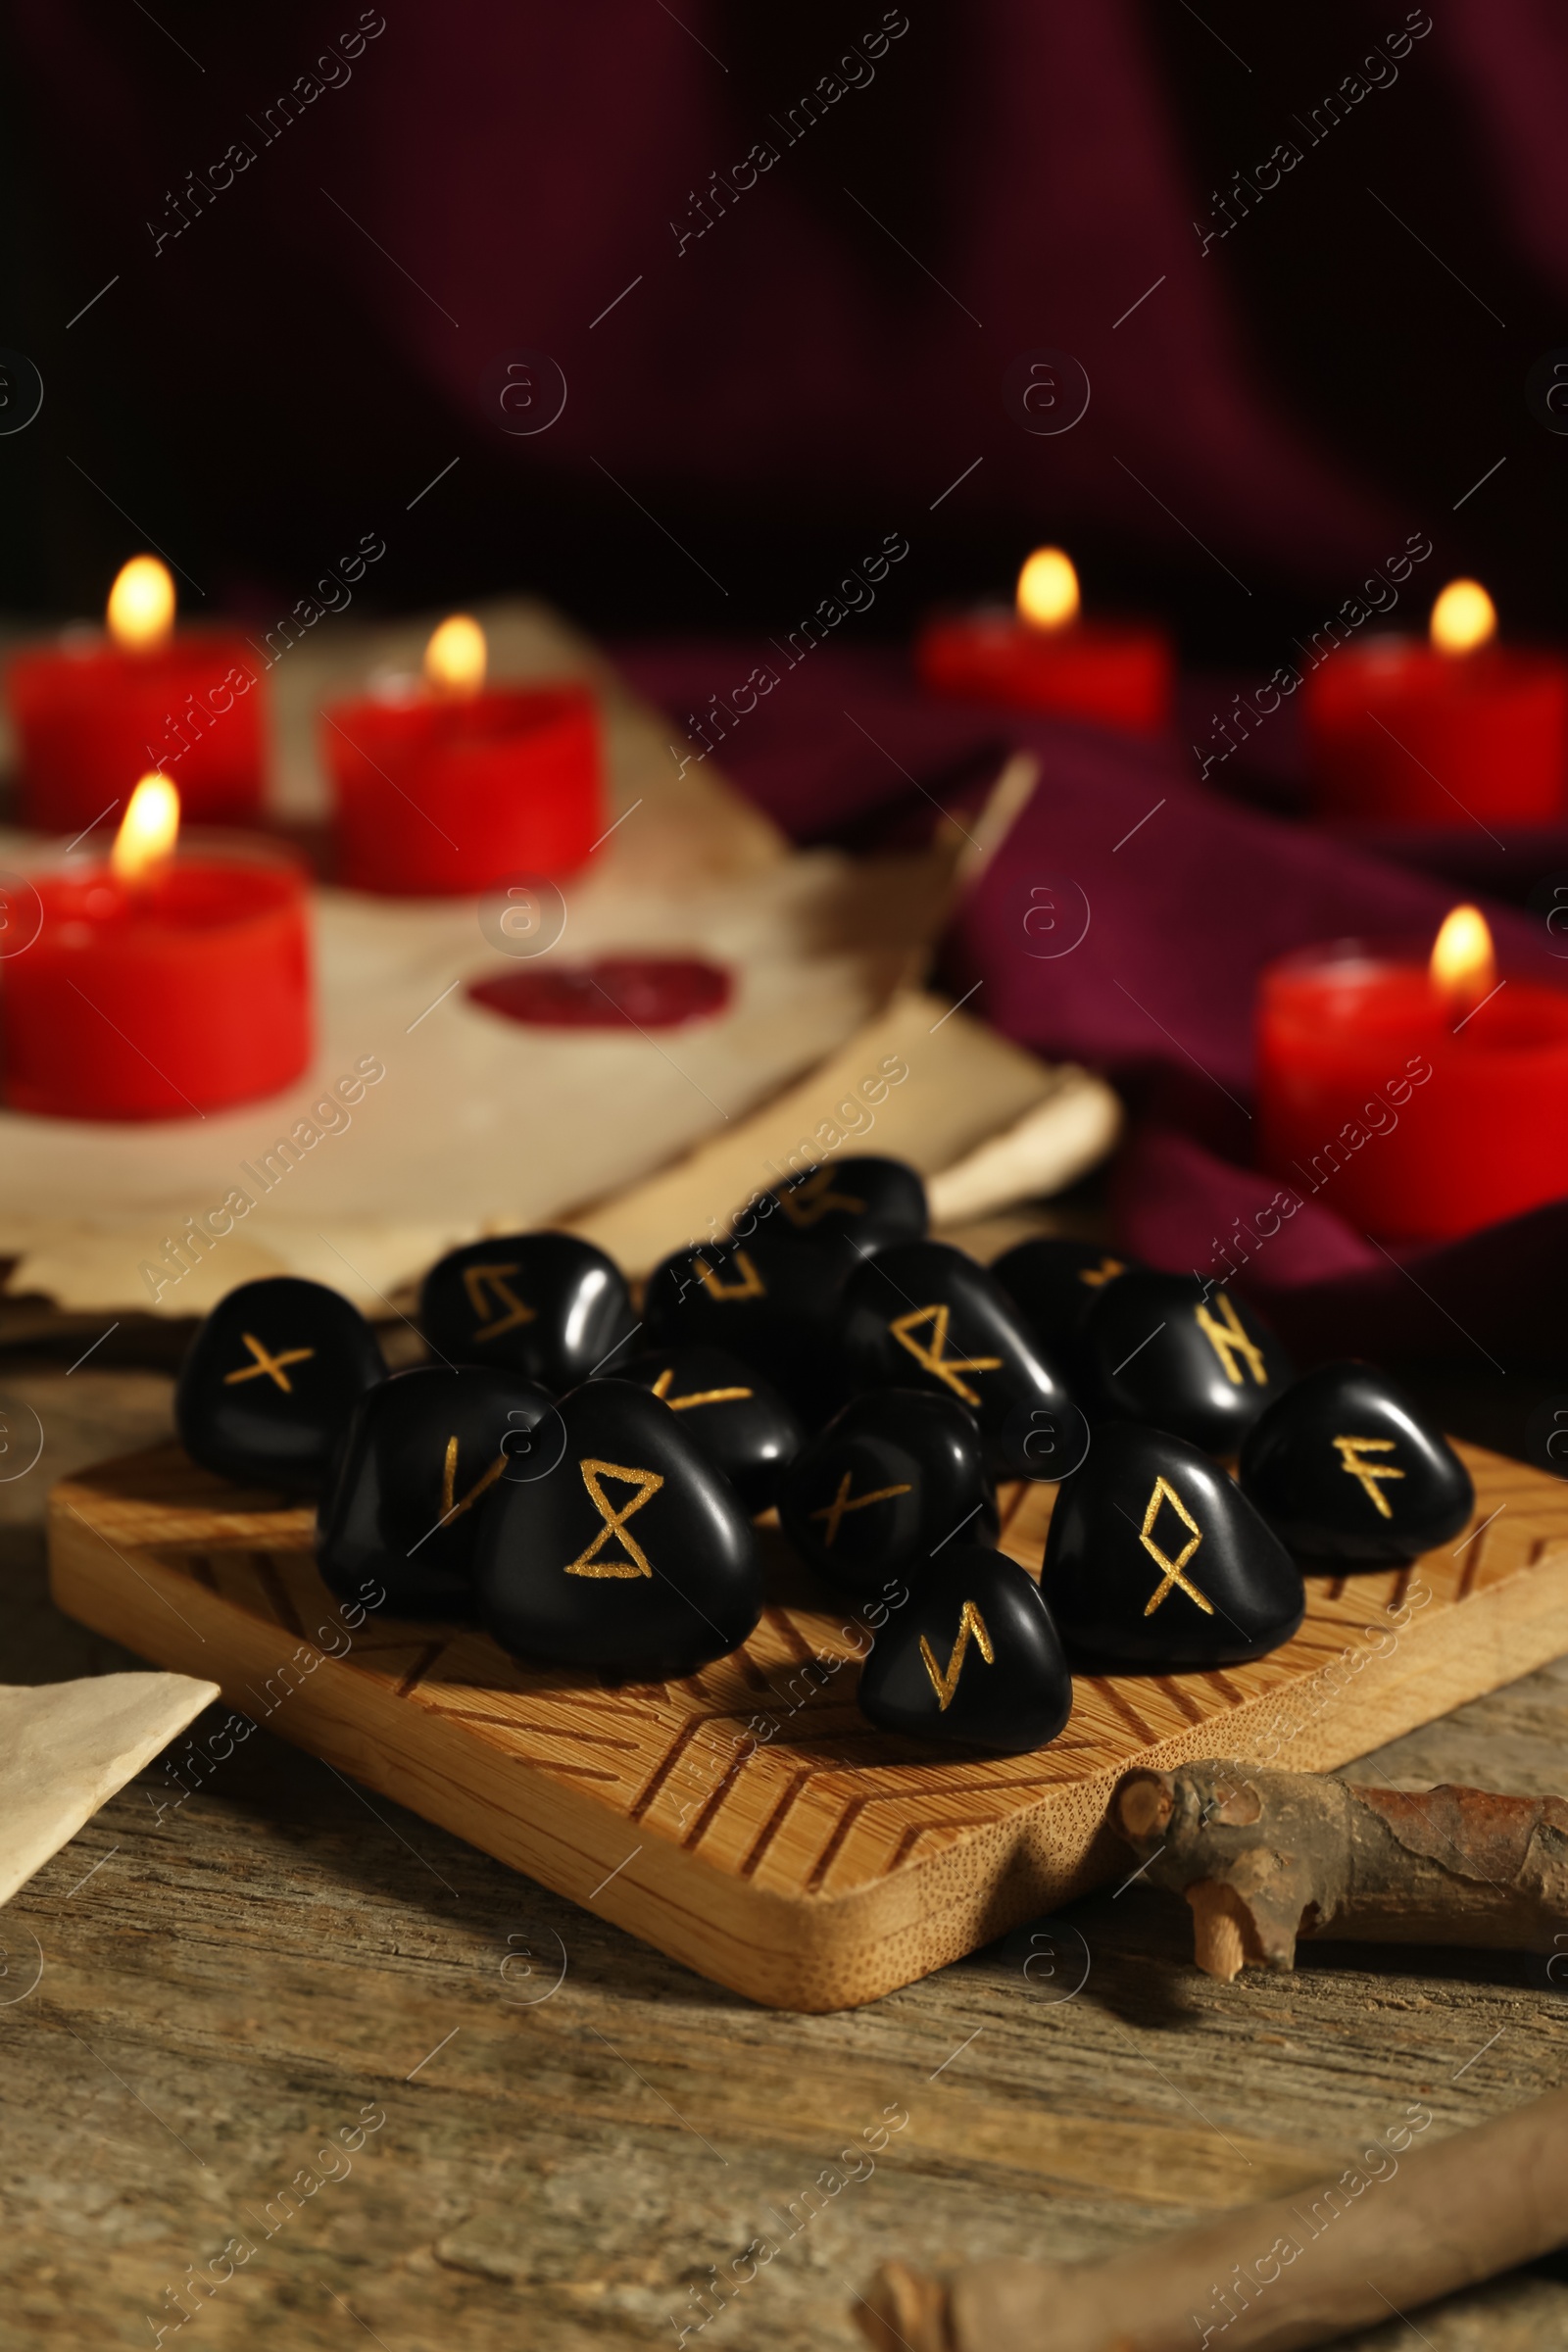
562,2131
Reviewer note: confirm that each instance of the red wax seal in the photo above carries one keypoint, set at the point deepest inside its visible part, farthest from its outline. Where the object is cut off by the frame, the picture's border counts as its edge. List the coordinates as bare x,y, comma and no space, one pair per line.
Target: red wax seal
646,992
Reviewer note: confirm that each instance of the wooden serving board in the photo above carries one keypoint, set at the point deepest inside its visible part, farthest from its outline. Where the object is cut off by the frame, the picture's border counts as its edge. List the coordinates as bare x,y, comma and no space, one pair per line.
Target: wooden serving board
829,1862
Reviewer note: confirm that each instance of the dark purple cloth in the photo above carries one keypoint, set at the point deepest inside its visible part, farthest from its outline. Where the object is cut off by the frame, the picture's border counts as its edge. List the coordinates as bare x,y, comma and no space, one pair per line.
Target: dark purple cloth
785,258
1176,898
1268,769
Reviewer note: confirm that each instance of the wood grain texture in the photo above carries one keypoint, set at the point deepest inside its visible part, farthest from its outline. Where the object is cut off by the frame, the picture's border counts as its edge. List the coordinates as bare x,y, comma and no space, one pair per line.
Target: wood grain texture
230,1974
834,1862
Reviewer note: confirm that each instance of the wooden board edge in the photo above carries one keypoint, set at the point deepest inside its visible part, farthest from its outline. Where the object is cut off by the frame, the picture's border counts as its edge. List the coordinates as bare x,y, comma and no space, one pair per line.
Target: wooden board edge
251,1517
1062,1850
656,1890
821,1951
1464,1651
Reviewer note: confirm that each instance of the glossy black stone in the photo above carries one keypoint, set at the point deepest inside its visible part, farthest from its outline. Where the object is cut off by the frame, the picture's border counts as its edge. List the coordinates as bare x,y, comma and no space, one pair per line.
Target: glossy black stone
632,1555
868,1202
423,1468
1055,1283
738,1418
1345,1468
772,1300
545,1304
893,1477
922,1314
271,1378
973,1658
1183,1355
1157,1561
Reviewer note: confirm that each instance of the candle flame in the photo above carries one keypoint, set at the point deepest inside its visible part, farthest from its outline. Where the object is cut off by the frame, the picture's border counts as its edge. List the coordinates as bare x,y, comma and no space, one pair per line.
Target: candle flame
1464,967
141,605
147,832
455,659
1463,617
1047,590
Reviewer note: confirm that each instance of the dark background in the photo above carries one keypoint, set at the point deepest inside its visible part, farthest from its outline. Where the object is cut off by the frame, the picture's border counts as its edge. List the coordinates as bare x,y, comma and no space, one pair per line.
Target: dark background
270,384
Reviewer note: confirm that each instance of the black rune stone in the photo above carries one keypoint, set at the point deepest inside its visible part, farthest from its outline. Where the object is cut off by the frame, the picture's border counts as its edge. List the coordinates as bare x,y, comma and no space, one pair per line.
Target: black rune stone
1346,1469
1056,1282
545,1304
894,1477
421,1467
266,1389
868,1202
971,1658
922,1314
772,1301
1181,1354
1156,1561
631,1555
739,1419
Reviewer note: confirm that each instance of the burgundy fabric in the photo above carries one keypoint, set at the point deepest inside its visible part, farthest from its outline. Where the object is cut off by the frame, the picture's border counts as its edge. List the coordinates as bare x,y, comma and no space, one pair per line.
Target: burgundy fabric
1279,398
1268,769
1187,896
282,348
525,174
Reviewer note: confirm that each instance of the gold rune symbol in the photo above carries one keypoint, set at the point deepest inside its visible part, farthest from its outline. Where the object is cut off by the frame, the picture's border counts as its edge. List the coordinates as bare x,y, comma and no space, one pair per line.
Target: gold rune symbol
945,1684
270,1365
1351,1451
1162,1492
807,1204
475,1280
1106,1271
1229,1340
750,1286
648,1484
451,1508
683,1405
935,1358
842,1502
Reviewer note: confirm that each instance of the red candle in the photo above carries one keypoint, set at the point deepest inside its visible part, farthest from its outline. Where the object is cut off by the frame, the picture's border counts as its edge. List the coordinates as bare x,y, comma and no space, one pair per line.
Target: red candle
93,712
1046,658
1437,734
158,986
1420,1100
444,789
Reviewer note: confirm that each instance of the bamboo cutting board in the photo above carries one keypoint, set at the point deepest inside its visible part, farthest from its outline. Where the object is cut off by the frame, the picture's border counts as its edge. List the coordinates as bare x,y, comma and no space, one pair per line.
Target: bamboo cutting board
829,1862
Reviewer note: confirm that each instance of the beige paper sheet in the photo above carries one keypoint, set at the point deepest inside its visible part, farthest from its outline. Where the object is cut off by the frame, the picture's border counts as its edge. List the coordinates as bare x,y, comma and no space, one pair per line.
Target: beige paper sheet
66,1747
961,1085
478,1124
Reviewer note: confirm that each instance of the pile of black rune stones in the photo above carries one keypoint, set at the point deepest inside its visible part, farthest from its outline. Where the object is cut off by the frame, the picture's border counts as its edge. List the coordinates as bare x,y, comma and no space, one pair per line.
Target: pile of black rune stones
583,1482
